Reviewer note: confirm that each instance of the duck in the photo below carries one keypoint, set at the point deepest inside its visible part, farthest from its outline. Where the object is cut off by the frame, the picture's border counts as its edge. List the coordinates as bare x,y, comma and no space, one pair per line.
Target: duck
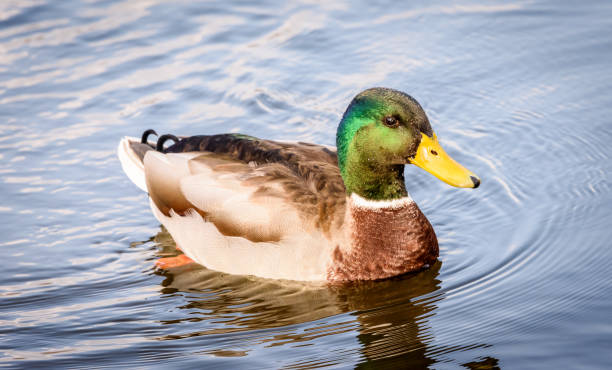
283,210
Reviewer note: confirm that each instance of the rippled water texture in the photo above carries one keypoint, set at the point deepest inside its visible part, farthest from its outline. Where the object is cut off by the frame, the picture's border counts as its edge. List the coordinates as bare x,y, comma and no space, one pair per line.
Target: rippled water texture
518,91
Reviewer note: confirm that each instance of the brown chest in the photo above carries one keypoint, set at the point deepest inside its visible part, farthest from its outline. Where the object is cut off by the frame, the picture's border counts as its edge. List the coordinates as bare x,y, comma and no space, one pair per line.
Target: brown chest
382,242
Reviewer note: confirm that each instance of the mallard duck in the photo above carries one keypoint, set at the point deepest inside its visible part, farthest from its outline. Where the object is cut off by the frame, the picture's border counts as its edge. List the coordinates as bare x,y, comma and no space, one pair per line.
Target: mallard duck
291,210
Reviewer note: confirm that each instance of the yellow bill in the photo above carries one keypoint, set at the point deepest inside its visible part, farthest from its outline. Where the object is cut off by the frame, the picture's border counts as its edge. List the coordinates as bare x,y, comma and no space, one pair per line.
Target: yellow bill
433,159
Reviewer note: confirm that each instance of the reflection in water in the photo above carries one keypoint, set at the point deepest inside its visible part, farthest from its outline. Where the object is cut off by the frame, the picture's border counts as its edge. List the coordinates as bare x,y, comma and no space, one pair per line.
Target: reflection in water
390,317
487,363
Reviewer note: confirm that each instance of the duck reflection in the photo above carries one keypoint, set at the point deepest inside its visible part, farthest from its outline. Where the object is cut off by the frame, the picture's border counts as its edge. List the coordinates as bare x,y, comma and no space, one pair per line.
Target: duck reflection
391,315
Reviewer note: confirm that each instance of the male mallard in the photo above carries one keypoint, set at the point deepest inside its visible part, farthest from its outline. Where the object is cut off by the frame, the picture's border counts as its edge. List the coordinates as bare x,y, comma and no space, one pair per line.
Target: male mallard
299,211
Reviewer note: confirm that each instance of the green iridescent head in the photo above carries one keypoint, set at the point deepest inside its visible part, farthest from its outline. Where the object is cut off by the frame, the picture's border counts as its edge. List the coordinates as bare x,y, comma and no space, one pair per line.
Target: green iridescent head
381,131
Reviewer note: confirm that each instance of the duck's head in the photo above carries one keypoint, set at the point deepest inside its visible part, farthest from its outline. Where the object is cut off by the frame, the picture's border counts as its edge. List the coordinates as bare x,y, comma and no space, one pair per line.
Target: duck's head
381,131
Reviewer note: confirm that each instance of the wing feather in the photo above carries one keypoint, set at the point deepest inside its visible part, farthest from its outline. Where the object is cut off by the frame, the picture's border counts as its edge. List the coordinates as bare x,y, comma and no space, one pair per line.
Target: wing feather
256,189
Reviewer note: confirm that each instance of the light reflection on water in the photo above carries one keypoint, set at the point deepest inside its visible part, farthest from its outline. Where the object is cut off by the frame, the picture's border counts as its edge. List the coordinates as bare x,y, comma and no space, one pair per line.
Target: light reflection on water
515,91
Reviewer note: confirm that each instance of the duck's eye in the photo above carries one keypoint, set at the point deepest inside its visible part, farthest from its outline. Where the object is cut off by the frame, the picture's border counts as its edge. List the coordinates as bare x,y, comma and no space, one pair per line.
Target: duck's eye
434,152
391,121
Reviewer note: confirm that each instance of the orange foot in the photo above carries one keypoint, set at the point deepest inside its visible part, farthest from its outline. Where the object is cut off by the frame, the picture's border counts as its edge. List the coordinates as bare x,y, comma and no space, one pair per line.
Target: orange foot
171,262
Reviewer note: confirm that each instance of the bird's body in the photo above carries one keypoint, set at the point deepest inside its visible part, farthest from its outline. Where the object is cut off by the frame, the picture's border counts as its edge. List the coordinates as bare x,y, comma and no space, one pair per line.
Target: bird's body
297,211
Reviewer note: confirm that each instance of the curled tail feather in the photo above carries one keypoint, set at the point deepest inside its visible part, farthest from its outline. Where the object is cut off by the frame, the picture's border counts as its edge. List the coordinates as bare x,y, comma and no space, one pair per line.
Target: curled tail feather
131,152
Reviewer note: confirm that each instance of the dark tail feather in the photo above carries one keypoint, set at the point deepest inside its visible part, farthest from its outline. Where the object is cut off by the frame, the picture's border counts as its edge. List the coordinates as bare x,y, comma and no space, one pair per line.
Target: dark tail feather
162,139
145,136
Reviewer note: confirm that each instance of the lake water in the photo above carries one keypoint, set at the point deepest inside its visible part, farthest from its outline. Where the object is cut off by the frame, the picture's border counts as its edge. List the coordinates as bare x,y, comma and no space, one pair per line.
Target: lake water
519,92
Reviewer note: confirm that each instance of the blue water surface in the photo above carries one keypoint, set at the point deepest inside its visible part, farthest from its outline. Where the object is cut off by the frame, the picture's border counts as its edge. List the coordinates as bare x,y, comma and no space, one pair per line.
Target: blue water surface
518,91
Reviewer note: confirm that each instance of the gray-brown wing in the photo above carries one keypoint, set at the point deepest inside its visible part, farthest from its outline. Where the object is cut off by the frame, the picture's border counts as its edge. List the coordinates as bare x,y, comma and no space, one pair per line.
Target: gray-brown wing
253,188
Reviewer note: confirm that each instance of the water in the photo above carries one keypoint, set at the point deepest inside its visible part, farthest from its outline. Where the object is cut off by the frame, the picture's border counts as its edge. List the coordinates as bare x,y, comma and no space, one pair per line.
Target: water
518,91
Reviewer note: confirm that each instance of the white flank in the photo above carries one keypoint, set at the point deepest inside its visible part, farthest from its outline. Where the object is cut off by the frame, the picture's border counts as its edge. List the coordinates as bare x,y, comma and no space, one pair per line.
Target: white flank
300,257
361,202
131,164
